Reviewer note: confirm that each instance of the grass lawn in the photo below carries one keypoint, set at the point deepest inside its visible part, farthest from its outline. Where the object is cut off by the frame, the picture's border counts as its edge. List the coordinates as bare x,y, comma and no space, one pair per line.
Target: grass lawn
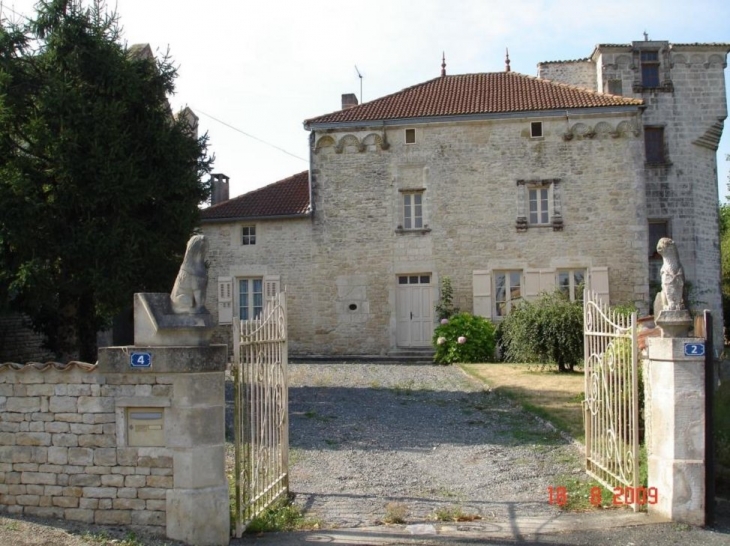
555,396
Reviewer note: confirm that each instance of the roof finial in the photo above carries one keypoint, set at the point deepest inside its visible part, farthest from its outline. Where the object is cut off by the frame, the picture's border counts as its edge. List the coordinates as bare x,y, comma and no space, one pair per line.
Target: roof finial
443,64
506,62
646,36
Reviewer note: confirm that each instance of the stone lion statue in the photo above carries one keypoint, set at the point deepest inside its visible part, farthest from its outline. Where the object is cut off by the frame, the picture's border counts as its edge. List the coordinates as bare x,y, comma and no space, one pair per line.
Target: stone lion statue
188,293
671,298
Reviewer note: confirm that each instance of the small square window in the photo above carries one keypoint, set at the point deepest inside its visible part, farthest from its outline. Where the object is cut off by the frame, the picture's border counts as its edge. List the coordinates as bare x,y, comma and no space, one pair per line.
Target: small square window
425,279
615,87
248,235
410,136
536,129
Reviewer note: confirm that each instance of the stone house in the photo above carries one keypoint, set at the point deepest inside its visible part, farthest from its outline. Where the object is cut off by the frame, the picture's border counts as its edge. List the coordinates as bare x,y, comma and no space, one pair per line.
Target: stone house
509,184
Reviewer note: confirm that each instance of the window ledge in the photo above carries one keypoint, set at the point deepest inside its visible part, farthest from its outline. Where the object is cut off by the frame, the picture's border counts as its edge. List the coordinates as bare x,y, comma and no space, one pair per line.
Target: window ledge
654,165
416,230
666,87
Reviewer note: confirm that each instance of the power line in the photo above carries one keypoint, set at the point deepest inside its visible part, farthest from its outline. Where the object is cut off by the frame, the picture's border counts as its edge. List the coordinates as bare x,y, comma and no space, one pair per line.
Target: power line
249,135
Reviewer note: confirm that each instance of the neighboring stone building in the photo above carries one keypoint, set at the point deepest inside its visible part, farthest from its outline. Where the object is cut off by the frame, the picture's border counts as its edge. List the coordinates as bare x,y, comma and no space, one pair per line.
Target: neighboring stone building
508,184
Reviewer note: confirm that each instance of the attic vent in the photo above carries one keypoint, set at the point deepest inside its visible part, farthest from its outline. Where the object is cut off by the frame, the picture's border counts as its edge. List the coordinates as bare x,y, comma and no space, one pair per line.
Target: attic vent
536,129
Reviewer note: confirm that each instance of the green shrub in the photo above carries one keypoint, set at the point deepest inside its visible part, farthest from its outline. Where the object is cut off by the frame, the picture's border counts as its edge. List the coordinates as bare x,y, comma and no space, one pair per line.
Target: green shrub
548,331
445,307
464,338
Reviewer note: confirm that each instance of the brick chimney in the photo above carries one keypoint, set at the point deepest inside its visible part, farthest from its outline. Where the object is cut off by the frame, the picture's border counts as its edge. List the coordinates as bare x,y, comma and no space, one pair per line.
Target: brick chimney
349,100
220,189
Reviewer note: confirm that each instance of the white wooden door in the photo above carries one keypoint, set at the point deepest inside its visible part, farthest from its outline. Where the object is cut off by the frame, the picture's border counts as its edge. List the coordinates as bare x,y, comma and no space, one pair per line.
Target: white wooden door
414,310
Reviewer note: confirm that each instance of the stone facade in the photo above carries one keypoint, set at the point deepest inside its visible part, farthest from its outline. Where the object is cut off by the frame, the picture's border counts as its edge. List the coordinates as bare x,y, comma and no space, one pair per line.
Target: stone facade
282,255
348,268
689,104
59,456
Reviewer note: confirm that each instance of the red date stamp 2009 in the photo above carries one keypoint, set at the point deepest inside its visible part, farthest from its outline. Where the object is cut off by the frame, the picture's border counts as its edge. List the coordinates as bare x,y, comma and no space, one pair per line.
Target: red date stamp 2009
622,496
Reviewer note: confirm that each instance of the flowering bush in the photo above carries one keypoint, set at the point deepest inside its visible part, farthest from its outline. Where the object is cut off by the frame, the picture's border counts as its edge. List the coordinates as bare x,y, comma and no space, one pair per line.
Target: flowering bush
464,338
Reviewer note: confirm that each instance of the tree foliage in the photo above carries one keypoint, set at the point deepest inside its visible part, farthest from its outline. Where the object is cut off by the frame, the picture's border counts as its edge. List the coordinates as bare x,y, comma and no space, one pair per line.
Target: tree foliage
725,253
445,307
99,184
548,330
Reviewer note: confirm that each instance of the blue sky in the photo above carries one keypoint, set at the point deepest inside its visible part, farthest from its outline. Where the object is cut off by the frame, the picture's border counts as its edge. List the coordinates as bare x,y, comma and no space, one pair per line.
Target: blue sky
253,71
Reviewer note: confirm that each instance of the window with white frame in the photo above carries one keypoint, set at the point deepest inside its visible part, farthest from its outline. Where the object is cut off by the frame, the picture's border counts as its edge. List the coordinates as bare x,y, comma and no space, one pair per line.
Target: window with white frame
536,129
248,235
571,283
507,291
539,199
250,298
412,210
538,204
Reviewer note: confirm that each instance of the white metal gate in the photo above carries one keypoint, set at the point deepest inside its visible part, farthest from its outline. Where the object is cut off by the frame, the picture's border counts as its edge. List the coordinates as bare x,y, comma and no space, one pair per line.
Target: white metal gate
611,406
261,414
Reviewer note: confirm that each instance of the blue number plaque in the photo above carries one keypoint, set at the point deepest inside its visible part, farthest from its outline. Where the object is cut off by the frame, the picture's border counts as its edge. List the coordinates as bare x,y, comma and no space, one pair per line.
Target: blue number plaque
140,360
694,349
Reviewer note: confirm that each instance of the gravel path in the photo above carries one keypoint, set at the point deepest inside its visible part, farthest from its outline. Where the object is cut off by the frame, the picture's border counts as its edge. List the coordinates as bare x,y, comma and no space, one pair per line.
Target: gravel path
417,438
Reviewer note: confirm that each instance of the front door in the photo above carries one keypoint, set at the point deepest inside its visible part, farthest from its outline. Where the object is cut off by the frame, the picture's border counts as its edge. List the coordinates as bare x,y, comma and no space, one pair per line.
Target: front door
414,310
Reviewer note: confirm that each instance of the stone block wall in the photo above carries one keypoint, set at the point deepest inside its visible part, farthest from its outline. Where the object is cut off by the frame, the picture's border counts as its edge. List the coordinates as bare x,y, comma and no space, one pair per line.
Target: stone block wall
59,455
19,342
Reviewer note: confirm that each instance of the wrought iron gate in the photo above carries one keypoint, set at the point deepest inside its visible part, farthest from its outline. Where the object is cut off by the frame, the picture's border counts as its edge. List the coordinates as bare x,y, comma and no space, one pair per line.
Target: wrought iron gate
611,406
261,413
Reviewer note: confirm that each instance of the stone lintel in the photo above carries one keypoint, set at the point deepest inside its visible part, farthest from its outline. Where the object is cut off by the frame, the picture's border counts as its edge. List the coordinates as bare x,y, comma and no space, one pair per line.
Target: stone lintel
190,359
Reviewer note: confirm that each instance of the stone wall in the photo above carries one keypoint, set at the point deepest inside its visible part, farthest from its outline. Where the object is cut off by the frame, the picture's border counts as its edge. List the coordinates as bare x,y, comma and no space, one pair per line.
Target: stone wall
581,73
283,250
469,176
59,455
19,342
690,105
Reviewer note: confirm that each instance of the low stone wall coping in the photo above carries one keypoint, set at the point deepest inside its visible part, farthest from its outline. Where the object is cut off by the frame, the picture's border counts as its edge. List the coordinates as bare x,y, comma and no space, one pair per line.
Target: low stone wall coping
190,359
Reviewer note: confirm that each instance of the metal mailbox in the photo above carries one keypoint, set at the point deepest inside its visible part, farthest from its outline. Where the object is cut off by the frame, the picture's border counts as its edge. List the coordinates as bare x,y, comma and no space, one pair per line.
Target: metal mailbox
146,427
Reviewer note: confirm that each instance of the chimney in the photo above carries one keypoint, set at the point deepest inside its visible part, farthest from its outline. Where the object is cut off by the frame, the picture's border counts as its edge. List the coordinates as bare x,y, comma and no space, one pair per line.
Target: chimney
349,100
219,188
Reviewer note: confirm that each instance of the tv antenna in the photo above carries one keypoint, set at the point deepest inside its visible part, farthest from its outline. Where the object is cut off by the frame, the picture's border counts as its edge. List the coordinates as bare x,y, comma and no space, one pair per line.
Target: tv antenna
359,76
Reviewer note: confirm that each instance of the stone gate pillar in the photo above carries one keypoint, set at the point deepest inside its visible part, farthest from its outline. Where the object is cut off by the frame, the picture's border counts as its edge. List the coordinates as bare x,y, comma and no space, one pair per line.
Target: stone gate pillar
676,440
185,423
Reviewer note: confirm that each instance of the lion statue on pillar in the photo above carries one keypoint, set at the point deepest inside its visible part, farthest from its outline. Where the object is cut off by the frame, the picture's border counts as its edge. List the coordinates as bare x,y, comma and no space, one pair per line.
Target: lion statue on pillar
188,293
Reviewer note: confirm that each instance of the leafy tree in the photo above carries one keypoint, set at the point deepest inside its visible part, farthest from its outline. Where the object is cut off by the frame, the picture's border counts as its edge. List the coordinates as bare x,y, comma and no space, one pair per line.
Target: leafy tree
725,253
99,184
548,330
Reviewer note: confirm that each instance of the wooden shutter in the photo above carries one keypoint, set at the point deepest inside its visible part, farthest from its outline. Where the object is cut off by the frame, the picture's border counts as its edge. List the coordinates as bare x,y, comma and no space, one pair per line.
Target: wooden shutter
599,283
482,292
532,284
225,300
547,281
271,286
538,281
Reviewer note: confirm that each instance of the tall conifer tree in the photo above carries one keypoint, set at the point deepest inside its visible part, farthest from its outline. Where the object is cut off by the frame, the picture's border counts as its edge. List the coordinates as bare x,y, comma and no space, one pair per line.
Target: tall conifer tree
99,183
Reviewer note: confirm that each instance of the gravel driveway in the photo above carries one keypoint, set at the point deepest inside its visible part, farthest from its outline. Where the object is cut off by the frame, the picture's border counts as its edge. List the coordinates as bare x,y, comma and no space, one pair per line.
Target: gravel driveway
420,438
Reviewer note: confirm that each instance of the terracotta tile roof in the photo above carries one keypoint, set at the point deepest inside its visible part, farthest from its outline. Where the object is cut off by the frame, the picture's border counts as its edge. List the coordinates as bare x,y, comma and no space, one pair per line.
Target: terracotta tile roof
491,93
285,198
